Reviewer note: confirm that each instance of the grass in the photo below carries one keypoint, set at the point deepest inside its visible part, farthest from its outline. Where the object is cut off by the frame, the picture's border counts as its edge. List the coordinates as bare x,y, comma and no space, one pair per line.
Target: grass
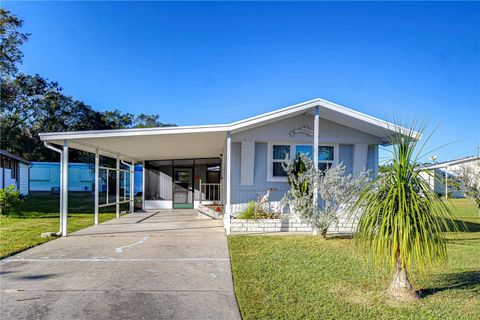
306,277
39,213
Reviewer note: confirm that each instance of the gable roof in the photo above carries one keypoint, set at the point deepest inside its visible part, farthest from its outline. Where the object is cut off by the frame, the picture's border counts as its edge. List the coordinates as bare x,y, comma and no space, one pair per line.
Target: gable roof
208,135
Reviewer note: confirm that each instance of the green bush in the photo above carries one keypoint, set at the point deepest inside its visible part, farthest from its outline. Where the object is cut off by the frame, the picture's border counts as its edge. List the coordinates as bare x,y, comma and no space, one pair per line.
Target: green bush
253,211
9,200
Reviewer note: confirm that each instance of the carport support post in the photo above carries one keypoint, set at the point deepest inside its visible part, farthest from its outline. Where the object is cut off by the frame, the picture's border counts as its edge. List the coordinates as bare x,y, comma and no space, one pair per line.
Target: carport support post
132,189
64,191
316,133
143,185
226,218
97,178
446,183
117,189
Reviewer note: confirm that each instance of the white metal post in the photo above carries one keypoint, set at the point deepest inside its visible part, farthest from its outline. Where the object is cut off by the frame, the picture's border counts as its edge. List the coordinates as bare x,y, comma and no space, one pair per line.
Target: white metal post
226,218
446,183
97,190
132,189
108,182
200,189
143,185
117,189
64,190
60,152
61,194
316,134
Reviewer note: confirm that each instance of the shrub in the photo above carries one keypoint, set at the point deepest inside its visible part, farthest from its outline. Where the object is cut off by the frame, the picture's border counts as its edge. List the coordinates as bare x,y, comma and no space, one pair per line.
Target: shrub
9,200
254,211
337,191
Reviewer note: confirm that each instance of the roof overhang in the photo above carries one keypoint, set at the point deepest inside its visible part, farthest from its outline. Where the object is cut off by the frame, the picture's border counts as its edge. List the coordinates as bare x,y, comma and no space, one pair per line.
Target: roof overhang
147,143
455,162
209,141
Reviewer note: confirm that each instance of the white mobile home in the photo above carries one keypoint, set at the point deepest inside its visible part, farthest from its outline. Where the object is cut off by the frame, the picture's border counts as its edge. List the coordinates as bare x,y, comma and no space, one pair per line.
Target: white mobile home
232,163
15,171
438,175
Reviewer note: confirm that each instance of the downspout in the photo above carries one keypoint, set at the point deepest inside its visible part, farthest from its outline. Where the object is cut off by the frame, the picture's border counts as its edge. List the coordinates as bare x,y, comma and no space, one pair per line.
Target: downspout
60,151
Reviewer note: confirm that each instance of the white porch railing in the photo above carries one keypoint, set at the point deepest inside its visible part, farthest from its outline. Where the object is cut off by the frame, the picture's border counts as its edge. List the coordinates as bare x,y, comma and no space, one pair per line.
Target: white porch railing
210,193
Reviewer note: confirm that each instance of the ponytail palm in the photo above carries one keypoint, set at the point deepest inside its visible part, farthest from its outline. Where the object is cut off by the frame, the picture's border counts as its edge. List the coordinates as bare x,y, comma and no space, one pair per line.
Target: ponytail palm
403,221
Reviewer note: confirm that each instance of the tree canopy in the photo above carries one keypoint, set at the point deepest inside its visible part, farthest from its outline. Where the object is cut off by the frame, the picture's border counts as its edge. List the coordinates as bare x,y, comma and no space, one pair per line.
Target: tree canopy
31,104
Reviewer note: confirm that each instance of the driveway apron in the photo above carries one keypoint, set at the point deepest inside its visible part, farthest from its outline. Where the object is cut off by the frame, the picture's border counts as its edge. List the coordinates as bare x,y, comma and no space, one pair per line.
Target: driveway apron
165,264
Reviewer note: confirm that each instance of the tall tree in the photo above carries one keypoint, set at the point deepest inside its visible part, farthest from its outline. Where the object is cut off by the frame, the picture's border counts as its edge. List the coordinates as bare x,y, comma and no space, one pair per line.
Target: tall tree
11,39
32,104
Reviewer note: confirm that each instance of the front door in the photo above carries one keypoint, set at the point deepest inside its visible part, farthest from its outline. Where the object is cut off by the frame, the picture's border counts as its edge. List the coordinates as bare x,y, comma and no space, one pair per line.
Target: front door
183,188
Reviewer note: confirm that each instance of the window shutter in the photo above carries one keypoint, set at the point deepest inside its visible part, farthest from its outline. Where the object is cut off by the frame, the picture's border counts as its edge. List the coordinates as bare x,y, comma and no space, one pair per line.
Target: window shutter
247,163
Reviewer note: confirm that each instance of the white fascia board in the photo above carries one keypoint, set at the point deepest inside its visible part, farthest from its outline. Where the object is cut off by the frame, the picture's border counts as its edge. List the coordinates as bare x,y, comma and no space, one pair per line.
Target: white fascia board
130,132
369,119
273,115
233,127
306,106
451,163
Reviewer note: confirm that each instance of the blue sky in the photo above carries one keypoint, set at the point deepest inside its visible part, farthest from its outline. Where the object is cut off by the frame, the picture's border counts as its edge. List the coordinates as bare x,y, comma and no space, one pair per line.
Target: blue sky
202,63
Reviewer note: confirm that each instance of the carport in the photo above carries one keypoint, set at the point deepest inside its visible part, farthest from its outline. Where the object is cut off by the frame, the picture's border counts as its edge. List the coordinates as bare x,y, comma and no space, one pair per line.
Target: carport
131,146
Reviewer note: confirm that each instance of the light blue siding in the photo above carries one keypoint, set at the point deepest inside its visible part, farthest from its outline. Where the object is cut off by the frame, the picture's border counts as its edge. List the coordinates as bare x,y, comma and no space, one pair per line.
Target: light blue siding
243,194
345,155
372,160
46,175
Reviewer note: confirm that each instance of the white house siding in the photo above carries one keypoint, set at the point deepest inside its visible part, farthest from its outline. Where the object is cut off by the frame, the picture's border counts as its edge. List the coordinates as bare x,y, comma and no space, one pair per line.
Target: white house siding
23,176
436,177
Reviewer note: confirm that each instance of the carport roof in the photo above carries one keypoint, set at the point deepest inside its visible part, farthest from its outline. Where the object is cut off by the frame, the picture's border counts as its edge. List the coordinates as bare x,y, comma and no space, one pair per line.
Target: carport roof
208,141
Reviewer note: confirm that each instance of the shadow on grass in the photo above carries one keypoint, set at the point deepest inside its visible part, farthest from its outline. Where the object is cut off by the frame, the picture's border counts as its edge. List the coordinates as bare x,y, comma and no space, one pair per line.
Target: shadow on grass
465,225
469,280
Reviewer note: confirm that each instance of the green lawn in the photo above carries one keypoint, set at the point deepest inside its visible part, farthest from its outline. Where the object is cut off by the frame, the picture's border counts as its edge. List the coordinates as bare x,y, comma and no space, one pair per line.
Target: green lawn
39,213
306,277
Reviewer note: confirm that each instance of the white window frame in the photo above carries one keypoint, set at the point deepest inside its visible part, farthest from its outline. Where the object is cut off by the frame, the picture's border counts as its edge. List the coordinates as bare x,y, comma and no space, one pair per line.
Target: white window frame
293,145
335,156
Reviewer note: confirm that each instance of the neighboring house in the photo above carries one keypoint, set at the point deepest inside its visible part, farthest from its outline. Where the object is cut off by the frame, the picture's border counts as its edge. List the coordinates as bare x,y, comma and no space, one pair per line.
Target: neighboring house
233,163
45,176
436,173
15,171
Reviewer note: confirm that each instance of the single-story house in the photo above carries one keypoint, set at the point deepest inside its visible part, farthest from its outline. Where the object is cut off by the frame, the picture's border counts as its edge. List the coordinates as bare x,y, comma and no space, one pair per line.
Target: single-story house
447,171
15,171
45,177
232,163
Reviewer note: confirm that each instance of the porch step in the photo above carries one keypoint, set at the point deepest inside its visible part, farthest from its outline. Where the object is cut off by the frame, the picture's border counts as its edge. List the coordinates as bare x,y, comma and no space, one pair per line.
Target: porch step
204,211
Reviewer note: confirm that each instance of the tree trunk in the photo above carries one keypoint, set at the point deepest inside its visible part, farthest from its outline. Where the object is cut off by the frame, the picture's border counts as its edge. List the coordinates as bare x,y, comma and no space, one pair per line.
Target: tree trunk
400,287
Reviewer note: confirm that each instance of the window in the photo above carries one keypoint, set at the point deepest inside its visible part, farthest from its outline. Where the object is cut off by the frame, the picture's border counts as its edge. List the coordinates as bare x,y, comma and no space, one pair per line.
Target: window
304,149
14,170
325,154
280,153
277,152
325,157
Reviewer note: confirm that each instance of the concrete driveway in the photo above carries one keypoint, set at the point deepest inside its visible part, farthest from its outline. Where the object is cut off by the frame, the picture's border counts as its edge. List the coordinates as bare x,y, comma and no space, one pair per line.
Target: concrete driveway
152,265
